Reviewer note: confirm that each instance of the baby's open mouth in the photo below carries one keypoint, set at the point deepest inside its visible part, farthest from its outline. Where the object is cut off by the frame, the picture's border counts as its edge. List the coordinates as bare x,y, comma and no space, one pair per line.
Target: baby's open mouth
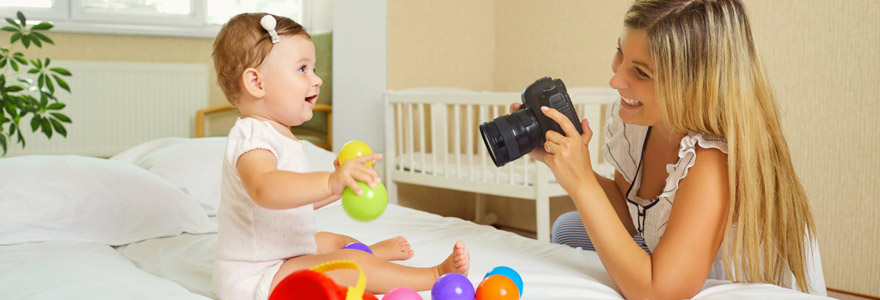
311,99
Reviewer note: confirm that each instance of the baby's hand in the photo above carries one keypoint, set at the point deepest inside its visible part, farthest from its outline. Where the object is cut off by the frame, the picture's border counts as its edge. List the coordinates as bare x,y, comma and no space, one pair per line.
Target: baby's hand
351,171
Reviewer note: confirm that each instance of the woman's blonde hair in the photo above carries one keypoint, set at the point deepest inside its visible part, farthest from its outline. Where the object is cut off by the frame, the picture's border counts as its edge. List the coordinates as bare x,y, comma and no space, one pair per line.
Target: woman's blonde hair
243,43
708,78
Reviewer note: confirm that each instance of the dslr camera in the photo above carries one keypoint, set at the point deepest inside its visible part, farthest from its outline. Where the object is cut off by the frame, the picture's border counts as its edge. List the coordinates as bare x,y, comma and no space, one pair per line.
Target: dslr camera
511,136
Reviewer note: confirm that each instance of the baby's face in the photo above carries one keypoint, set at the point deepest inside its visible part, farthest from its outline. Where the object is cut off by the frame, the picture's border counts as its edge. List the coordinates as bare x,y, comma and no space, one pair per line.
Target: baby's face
291,85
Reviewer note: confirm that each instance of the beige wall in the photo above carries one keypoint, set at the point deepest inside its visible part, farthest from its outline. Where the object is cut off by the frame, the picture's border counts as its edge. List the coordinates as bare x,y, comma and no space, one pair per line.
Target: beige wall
821,57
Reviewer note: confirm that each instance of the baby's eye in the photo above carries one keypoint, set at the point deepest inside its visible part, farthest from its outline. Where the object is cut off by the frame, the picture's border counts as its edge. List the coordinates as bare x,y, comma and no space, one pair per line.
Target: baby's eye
302,69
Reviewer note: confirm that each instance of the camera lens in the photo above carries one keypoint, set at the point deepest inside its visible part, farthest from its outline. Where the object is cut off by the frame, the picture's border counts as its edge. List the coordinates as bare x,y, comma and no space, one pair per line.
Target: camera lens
512,136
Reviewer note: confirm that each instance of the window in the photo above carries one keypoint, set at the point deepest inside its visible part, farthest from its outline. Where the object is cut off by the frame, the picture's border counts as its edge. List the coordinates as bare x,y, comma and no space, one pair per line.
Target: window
193,18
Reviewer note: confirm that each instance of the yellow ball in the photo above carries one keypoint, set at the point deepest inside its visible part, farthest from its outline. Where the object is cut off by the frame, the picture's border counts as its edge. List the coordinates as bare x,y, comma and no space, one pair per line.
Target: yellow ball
354,149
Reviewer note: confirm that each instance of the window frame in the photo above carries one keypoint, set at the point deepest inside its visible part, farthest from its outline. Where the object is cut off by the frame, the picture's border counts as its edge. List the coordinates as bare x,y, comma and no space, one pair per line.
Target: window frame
71,16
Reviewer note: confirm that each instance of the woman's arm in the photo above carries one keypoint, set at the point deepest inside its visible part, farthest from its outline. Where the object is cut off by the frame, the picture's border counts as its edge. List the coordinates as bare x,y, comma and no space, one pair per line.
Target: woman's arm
681,262
616,197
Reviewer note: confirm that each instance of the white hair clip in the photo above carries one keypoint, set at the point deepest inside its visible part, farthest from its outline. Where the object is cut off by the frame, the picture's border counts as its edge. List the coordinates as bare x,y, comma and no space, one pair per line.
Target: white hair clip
268,22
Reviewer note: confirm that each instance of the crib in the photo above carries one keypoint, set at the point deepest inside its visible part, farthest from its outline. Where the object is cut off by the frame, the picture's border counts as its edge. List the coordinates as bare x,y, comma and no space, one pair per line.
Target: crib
432,139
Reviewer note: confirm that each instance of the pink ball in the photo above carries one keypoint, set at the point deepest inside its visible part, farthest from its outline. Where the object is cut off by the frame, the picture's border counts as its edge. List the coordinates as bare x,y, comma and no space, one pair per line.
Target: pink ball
402,294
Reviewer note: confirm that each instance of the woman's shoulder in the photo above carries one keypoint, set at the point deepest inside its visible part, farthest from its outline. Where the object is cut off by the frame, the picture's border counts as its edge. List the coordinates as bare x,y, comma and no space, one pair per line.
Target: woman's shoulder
700,155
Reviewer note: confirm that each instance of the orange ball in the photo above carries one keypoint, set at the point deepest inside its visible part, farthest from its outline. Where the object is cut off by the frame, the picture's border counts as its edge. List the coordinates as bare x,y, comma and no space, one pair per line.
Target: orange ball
497,287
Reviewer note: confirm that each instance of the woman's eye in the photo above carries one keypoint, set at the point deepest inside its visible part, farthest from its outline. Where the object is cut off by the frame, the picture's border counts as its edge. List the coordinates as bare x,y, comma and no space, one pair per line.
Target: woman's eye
642,74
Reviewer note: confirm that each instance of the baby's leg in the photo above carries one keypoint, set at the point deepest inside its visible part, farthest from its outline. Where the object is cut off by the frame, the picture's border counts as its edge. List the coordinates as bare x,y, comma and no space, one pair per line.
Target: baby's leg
329,242
396,248
383,275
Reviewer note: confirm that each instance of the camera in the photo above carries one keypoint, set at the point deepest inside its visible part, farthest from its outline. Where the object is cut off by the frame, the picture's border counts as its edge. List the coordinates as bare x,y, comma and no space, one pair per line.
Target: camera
511,136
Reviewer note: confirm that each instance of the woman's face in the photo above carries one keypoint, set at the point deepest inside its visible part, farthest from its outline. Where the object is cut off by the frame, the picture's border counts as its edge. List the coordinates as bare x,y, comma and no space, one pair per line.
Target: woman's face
634,79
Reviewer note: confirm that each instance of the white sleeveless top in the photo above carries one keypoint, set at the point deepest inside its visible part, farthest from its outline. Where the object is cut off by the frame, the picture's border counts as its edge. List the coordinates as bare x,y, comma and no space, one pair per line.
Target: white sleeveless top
252,239
623,150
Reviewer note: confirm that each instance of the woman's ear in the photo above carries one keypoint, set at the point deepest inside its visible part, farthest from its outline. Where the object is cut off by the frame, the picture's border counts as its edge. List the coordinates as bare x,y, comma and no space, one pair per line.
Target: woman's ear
252,80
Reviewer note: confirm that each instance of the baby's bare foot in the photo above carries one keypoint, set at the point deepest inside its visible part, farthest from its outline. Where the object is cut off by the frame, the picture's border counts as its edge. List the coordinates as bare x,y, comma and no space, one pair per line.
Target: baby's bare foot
457,262
396,248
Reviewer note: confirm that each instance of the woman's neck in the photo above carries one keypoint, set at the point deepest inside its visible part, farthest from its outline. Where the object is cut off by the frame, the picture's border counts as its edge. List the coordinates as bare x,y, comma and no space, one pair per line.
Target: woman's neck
668,141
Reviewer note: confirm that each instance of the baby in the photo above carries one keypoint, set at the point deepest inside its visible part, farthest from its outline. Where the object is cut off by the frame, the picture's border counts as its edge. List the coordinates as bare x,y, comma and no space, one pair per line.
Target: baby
265,65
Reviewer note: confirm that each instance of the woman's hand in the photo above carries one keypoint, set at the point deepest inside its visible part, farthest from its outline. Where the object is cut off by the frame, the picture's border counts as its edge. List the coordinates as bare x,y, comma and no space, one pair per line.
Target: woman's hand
351,171
568,156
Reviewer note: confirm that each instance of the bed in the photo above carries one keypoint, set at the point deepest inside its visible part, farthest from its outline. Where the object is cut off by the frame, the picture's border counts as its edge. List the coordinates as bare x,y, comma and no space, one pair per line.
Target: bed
140,225
433,139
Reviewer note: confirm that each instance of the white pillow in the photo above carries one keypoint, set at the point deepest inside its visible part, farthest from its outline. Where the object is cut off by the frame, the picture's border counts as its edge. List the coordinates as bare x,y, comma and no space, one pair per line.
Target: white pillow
77,198
195,164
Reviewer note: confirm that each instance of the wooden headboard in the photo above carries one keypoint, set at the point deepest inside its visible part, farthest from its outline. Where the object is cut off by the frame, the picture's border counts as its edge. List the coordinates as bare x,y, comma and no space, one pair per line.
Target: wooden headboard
203,113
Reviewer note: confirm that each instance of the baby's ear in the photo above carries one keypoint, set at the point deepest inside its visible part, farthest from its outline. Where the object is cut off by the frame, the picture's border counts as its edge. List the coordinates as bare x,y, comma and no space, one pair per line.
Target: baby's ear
252,81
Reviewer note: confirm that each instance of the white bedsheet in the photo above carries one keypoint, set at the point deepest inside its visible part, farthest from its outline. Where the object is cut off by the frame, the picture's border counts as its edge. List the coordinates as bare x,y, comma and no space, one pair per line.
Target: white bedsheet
549,271
78,270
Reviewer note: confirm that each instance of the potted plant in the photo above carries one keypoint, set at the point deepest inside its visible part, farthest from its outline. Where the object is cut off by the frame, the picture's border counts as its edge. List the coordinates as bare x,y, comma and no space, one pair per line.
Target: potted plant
29,92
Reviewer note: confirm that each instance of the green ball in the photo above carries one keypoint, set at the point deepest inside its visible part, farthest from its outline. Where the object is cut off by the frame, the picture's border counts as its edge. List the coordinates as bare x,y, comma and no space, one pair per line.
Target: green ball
369,205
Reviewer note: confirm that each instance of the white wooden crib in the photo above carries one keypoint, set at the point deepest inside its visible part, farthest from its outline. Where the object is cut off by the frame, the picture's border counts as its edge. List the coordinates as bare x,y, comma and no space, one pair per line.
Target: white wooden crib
432,138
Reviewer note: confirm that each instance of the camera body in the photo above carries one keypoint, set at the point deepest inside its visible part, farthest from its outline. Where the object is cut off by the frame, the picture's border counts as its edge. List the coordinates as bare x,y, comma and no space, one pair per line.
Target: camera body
511,136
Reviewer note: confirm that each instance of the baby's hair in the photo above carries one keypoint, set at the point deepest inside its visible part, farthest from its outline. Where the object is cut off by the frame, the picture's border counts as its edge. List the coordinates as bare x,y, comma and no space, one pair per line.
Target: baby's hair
243,43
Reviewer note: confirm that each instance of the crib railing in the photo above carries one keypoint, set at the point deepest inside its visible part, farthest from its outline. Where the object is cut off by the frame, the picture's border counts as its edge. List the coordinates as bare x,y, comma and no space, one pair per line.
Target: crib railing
433,139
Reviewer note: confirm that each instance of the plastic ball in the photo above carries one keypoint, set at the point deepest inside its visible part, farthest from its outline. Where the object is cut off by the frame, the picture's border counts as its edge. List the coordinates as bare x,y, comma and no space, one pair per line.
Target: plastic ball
354,149
358,246
402,294
367,206
509,273
497,287
452,286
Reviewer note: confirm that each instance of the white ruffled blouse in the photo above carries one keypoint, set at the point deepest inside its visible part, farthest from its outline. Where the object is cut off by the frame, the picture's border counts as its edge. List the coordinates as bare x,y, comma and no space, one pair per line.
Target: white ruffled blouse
623,150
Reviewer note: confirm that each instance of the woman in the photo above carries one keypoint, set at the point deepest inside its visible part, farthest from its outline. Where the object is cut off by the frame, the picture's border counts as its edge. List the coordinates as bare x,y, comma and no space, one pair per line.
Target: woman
700,161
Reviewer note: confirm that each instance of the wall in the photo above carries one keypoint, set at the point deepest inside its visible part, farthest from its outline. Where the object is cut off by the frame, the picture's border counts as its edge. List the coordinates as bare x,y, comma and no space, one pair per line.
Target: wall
820,56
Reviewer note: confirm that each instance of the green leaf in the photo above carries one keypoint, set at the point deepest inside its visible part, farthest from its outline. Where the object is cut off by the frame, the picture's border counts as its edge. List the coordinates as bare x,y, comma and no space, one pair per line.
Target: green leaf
36,41
50,84
14,65
40,81
14,37
43,100
47,128
2,63
20,136
11,21
10,29
20,59
37,63
43,26
61,117
26,41
61,83
61,71
14,88
35,123
33,71
21,18
3,143
42,37
56,106
59,128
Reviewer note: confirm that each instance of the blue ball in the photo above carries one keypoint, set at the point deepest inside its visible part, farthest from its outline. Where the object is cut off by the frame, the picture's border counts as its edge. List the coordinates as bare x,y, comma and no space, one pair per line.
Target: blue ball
452,286
509,273
358,246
